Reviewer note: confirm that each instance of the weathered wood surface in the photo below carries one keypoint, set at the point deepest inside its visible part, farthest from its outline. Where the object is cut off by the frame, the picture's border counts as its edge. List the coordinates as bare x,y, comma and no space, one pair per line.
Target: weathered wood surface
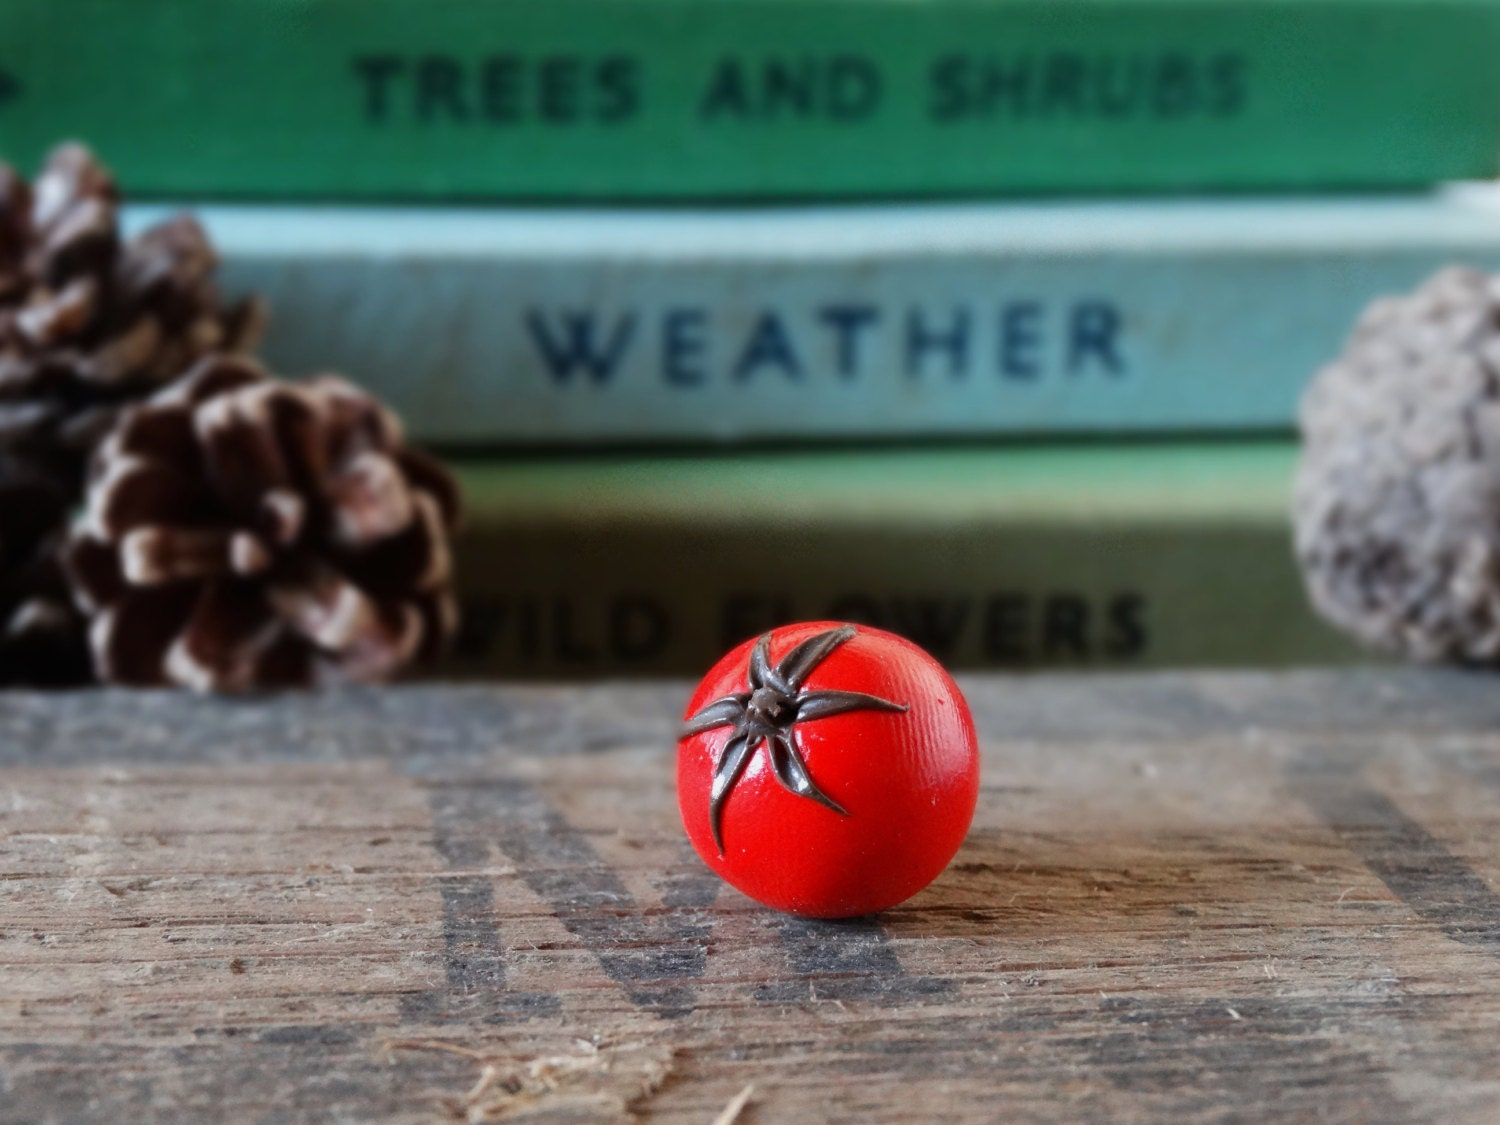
1206,898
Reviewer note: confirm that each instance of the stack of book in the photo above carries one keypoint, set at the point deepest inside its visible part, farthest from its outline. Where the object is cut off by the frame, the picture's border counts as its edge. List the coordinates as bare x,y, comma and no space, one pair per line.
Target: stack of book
980,320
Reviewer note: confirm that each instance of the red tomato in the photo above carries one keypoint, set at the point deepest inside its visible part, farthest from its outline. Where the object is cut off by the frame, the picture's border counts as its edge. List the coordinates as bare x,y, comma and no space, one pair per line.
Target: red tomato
827,770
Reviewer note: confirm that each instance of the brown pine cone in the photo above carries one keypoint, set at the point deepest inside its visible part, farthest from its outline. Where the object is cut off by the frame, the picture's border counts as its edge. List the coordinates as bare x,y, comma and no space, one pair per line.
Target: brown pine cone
1397,500
88,322
242,532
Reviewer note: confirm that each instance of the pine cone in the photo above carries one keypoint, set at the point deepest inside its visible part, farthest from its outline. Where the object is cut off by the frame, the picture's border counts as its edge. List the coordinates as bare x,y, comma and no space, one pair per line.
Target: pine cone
1397,502
88,323
242,532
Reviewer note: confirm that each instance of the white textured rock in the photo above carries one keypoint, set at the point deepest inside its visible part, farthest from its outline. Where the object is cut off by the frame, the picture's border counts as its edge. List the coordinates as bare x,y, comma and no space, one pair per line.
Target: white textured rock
1397,499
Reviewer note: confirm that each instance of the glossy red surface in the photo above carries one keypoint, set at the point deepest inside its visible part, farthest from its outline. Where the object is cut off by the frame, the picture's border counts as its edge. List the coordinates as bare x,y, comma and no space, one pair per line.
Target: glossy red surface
908,781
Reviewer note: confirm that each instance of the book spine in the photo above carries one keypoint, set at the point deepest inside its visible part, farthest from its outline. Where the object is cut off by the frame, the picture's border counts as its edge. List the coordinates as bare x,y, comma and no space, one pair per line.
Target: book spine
768,98
582,594
557,328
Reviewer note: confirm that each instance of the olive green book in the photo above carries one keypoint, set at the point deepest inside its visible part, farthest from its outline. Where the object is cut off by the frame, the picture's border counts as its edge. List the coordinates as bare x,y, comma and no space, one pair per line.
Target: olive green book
676,99
1100,557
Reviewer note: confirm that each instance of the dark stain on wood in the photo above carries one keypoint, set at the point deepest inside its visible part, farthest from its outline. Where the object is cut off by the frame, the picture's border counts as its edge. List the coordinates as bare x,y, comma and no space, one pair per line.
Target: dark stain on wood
473,952
1416,866
845,960
655,957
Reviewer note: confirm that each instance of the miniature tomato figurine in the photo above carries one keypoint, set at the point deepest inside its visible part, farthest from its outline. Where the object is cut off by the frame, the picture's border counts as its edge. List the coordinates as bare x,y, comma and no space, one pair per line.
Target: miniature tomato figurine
827,770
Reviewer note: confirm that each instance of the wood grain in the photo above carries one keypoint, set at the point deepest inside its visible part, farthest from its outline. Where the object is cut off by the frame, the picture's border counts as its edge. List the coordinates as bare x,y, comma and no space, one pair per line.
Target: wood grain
1186,898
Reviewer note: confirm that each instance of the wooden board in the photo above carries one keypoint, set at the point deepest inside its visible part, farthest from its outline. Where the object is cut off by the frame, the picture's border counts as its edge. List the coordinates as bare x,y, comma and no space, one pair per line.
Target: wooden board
1186,898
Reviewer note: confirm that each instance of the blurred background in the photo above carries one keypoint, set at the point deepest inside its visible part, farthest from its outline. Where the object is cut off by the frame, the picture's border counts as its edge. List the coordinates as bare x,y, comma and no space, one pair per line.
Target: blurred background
984,321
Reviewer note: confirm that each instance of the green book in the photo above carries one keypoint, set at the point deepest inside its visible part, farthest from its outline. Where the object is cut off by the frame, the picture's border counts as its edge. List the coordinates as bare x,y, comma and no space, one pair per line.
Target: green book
504,326
1089,557
661,99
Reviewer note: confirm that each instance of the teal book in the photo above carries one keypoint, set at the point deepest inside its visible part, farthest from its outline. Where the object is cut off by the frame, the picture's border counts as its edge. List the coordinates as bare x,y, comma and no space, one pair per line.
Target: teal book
1093,557
735,99
562,327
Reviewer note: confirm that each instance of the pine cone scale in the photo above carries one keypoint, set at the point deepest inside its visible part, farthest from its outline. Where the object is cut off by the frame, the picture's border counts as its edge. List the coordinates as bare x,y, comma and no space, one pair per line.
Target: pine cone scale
282,516
243,325
244,453
162,433
21,421
54,317
370,501
416,558
140,492
94,572
248,556
228,633
131,350
130,638
432,533
428,475
156,556
330,612
83,237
